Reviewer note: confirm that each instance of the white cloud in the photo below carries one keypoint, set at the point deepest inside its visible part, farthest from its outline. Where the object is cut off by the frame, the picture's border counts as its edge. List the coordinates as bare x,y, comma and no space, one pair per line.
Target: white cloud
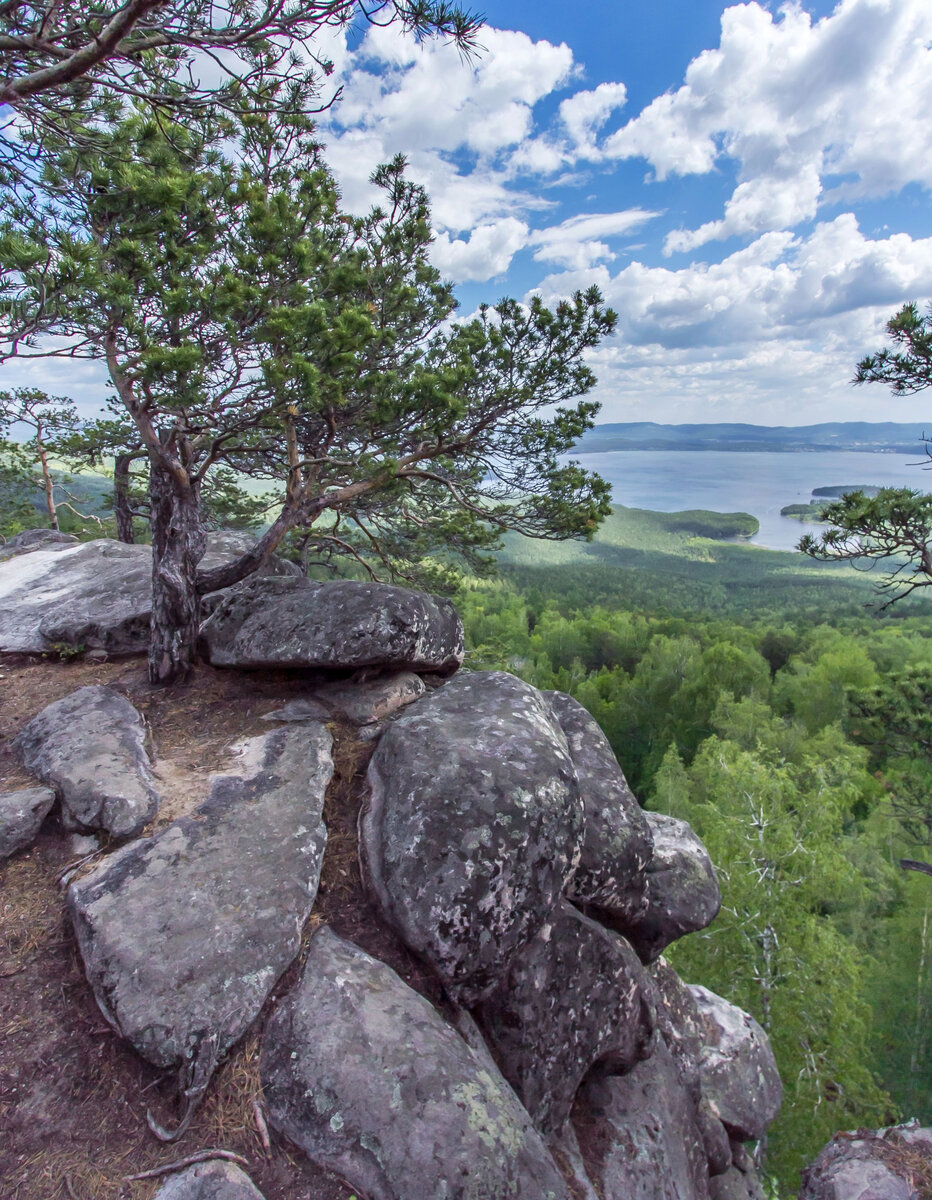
576,242
487,251
584,114
809,111
771,332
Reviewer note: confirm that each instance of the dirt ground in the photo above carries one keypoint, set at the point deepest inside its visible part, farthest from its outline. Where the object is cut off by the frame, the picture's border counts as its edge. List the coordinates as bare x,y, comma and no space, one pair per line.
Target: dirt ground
73,1095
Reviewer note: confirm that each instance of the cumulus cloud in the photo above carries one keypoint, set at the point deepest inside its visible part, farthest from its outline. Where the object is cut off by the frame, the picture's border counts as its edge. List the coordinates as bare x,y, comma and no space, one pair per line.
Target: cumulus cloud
773,330
576,242
487,251
810,111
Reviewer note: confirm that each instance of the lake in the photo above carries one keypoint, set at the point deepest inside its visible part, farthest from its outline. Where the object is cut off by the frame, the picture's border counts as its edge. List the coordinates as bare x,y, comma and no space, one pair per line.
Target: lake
747,481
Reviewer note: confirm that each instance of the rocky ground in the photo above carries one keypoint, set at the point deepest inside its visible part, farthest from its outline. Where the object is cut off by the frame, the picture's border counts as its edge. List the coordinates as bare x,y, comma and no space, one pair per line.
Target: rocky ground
73,1096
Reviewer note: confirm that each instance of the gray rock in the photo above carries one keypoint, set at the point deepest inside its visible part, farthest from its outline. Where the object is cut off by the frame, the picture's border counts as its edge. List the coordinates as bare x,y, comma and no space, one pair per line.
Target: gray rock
90,747
574,996
97,596
639,1135
213,1180
739,1185
31,540
365,1076
345,624
184,934
715,1138
738,1074
360,703
684,892
871,1165
618,844
21,817
473,826
678,1022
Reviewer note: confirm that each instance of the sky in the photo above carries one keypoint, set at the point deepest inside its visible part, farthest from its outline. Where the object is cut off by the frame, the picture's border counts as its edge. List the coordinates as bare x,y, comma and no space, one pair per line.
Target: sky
748,185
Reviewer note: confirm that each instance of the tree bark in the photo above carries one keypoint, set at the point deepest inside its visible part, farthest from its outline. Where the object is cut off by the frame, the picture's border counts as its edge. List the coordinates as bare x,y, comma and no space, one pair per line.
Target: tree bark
178,543
121,505
910,864
47,483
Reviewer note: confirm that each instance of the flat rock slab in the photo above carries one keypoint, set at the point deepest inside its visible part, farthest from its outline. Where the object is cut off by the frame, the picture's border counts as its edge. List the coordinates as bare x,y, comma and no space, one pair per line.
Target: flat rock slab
214,1180
184,934
21,817
359,703
737,1070
365,1076
96,596
574,996
683,888
473,826
288,622
618,845
90,747
639,1135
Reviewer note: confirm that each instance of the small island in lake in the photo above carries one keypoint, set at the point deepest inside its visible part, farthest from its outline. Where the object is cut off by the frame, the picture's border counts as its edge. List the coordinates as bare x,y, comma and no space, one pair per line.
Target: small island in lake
813,510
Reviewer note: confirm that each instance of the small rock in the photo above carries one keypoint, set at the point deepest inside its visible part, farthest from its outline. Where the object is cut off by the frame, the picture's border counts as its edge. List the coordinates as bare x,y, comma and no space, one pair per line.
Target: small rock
361,703
90,747
618,845
287,622
576,995
184,934
473,825
364,1075
21,817
684,892
213,1180
738,1185
738,1074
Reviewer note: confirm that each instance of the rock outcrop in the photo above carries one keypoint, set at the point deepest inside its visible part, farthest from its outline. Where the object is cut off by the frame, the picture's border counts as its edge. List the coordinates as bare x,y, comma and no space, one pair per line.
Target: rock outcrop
365,1076
683,890
473,827
575,996
618,846
345,624
184,934
362,703
90,748
882,1164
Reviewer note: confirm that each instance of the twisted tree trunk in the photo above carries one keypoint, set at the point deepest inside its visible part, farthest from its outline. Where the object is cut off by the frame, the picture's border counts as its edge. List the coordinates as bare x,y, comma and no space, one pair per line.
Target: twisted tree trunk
178,543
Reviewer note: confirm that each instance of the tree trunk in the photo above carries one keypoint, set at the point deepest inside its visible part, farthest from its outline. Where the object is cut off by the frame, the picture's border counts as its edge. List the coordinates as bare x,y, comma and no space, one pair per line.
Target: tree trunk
178,543
246,564
47,484
121,505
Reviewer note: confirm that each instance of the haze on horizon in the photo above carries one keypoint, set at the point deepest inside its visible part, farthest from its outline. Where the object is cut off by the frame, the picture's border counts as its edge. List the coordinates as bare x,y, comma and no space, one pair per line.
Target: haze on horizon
747,184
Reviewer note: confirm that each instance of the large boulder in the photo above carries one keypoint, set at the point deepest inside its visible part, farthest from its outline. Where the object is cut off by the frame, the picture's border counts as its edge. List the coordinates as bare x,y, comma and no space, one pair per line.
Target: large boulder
364,1075
31,540
21,817
618,845
574,996
95,596
90,747
345,624
683,888
473,826
184,934
639,1135
212,1180
737,1070
883,1164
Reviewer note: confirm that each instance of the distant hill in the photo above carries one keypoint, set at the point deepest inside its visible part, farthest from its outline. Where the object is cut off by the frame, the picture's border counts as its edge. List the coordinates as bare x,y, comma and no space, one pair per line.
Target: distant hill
881,436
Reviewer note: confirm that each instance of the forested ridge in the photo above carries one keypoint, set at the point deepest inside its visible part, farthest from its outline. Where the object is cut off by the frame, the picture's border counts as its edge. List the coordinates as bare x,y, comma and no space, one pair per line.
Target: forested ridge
772,736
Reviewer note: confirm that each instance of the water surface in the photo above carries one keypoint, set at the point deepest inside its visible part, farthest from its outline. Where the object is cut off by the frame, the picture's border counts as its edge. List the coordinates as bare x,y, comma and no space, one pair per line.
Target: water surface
757,482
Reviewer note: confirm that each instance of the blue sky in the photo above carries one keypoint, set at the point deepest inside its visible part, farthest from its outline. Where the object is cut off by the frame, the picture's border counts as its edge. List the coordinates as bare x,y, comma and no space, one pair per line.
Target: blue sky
749,185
